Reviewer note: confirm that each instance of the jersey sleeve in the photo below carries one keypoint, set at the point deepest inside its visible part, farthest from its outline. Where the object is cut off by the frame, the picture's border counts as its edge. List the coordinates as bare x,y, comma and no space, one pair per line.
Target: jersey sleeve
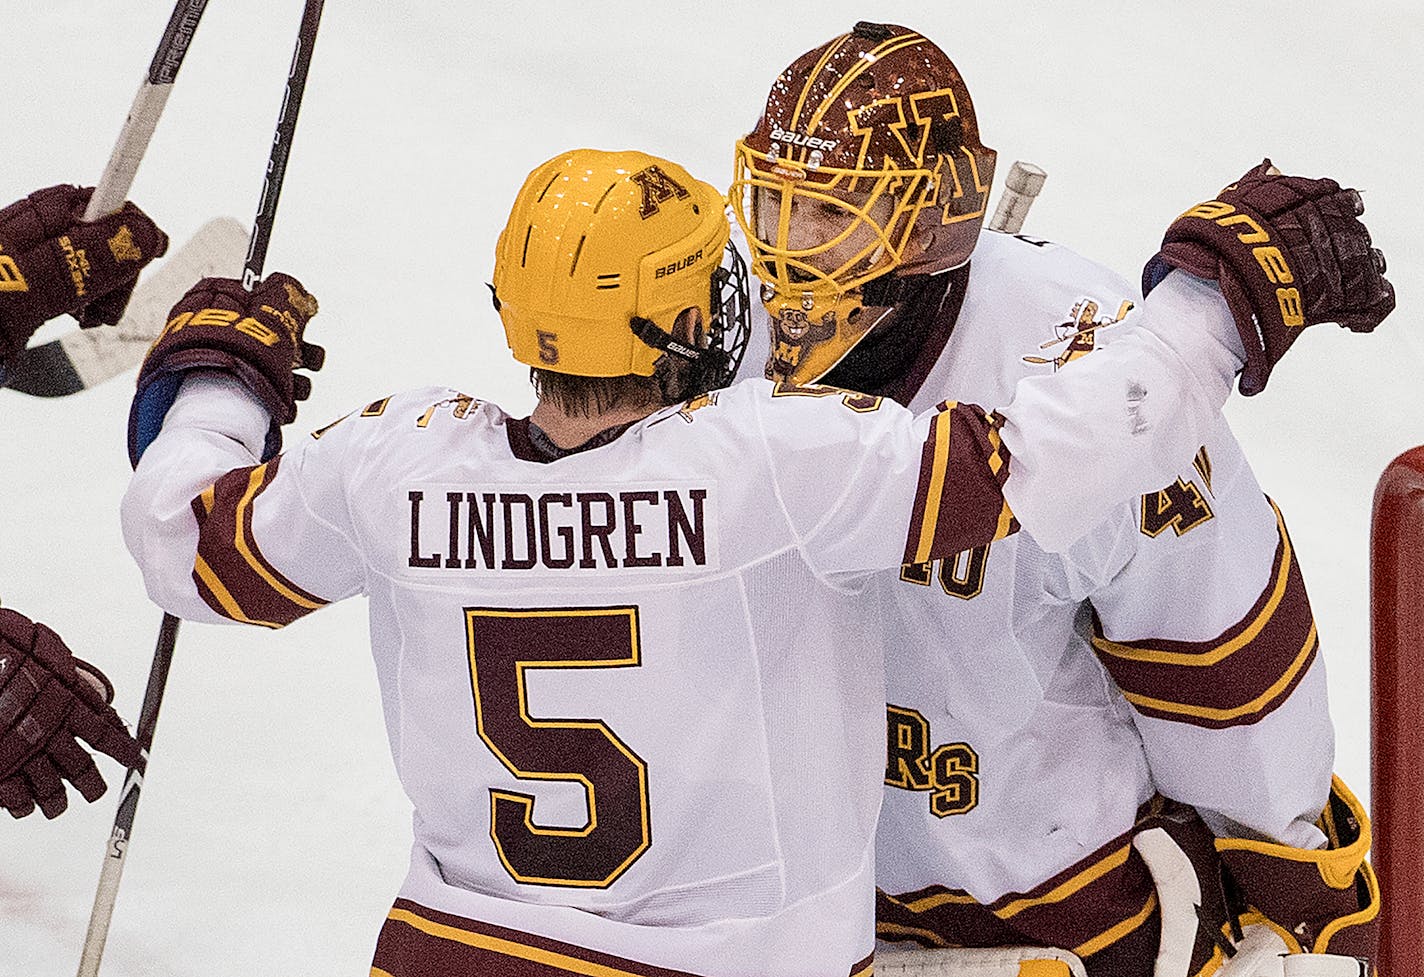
220,535
865,485
1117,423
1208,632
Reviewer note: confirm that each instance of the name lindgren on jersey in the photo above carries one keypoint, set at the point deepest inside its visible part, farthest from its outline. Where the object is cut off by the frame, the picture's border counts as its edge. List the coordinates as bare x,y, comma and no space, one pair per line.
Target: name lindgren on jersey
526,528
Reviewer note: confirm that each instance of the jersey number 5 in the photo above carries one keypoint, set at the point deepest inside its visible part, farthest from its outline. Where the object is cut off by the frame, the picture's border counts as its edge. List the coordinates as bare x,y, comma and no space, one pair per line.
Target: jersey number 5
504,644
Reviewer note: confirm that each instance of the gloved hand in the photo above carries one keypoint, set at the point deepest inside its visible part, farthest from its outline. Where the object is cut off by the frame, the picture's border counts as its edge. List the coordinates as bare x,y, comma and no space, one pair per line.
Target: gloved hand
49,702
256,337
1288,252
51,262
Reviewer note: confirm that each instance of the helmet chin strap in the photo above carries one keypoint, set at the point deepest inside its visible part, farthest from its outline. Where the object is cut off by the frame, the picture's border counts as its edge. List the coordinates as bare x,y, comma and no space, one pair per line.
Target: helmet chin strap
685,371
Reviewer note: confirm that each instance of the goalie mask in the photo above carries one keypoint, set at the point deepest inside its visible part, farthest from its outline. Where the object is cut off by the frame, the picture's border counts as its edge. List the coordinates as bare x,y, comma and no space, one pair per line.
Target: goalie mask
602,254
866,162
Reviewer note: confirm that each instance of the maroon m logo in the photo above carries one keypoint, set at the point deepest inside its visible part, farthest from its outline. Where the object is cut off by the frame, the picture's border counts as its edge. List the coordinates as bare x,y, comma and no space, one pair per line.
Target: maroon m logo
657,188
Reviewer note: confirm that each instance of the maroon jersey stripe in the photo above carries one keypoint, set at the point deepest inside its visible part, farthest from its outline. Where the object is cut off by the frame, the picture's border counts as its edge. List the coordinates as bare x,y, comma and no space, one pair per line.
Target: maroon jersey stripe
1234,679
1103,908
420,942
230,571
959,501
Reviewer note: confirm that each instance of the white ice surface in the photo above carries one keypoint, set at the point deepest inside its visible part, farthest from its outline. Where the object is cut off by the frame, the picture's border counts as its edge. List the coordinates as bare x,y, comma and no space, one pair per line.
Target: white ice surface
272,833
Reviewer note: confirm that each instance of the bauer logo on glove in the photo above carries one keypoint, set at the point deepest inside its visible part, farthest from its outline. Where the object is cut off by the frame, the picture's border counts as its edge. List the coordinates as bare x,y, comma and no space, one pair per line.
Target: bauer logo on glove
1288,252
255,337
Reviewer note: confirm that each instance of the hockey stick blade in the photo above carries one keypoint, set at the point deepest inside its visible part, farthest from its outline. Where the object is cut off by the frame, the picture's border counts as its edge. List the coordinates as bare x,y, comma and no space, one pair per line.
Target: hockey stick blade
86,357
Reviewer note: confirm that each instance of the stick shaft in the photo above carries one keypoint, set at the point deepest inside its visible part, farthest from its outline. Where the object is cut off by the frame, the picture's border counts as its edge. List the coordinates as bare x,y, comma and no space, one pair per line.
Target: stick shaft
1021,186
147,107
168,633
282,143
117,853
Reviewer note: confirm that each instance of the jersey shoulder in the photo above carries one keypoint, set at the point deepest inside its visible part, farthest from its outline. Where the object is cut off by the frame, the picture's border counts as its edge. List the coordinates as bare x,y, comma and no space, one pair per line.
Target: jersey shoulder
421,415
1043,264
1030,308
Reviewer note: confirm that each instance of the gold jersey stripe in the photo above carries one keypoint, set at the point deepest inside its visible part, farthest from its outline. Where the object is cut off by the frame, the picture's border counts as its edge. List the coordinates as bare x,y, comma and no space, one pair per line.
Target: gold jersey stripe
929,519
1077,883
865,971
996,442
1111,936
230,606
939,899
1208,712
1006,522
254,484
1226,648
378,972
509,948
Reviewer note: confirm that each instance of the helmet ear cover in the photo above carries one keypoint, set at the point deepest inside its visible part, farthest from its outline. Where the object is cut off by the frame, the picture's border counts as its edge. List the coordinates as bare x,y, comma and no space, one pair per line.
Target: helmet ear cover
715,364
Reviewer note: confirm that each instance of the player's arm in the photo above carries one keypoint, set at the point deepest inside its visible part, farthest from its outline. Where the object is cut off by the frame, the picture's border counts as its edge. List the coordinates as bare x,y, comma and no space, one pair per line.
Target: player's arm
1270,256
53,262
223,528
1208,632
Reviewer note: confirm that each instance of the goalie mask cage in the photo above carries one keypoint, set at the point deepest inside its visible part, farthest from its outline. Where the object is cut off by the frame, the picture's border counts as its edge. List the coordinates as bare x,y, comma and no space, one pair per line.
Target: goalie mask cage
1397,710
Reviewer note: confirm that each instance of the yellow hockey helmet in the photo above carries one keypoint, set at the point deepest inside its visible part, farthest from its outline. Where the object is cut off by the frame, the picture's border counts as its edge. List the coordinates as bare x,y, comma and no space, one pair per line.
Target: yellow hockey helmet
601,253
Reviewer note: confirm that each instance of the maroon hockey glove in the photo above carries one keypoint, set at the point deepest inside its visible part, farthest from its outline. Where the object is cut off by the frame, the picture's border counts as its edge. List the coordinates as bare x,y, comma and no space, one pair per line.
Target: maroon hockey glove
49,701
1288,252
51,262
254,336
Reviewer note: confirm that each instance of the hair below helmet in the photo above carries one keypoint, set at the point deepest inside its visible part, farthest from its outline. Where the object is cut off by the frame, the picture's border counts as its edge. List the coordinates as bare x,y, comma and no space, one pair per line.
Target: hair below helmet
601,253
867,160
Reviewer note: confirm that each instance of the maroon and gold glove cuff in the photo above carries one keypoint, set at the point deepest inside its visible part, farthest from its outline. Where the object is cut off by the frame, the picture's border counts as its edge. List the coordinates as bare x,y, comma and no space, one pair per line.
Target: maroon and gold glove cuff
1288,252
256,337
1321,901
52,262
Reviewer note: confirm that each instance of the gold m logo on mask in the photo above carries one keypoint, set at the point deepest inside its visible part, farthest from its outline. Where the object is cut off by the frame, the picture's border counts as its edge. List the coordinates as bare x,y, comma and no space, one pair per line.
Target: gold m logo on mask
658,188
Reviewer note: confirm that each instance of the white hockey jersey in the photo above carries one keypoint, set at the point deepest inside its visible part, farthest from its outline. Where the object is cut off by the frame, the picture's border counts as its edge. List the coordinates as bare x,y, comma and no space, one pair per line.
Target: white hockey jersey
1012,782
633,693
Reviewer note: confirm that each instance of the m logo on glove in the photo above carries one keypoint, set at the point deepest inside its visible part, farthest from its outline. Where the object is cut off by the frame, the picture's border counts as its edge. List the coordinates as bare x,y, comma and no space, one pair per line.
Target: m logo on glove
10,278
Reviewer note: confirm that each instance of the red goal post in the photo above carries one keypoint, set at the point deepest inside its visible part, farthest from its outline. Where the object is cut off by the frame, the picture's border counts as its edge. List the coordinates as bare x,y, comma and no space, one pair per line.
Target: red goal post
1397,710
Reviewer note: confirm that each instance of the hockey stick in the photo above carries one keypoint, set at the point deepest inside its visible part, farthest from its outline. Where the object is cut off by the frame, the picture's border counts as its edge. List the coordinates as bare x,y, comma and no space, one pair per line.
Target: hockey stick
128,804
147,107
168,632
51,369
1021,186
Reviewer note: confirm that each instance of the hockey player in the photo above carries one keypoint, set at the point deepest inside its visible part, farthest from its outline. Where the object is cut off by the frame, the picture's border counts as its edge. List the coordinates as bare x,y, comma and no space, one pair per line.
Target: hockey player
52,263
628,686
1016,790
